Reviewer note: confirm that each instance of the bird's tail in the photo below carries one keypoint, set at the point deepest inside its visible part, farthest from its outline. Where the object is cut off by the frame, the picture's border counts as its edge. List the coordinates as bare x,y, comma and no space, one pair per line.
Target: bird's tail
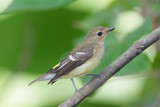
47,76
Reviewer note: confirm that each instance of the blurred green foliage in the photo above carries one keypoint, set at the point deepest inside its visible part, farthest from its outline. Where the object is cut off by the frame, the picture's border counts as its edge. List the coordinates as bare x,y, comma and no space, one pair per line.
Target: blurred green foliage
36,34
32,5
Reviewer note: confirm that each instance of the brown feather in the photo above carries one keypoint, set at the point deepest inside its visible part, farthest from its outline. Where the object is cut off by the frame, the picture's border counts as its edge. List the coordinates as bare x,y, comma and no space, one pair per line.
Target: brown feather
70,65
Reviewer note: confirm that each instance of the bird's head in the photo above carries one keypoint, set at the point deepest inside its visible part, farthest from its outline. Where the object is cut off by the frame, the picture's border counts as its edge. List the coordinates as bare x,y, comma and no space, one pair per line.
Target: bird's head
98,34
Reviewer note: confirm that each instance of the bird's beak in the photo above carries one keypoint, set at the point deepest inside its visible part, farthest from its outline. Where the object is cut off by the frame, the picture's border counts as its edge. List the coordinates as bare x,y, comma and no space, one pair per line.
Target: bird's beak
110,29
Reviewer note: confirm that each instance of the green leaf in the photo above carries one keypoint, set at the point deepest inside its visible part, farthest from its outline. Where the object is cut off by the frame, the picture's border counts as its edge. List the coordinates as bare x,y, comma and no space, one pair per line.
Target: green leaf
11,42
30,5
53,39
156,63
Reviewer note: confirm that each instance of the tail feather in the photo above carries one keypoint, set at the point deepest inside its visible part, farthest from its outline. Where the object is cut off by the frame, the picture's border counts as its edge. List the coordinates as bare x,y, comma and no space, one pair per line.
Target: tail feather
47,76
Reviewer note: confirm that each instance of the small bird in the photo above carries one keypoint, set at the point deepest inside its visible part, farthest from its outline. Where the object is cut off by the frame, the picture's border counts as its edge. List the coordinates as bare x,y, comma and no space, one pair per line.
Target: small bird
82,60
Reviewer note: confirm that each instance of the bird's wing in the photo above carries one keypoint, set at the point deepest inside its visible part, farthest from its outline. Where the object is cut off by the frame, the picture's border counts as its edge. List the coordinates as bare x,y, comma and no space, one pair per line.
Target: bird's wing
70,62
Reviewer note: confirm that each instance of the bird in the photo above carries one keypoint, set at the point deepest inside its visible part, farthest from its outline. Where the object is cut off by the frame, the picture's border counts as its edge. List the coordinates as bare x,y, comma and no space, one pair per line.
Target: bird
82,60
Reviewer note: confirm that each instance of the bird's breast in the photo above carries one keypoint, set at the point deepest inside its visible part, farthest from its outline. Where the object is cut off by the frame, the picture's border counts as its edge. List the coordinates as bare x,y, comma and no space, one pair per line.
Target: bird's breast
89,65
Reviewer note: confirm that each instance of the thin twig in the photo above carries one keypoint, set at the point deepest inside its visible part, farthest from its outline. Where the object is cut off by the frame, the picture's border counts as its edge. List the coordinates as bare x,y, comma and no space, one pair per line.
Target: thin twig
113,68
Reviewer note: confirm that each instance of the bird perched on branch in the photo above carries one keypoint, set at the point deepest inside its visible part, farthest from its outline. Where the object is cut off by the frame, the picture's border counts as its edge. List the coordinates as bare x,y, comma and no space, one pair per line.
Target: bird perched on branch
82,60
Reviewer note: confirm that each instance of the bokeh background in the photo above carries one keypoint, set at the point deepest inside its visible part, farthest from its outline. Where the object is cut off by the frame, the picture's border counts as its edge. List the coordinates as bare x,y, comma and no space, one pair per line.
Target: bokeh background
37,34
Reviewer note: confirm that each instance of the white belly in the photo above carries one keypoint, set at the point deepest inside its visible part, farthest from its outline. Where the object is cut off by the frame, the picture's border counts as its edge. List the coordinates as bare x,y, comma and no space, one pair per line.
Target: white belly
88,66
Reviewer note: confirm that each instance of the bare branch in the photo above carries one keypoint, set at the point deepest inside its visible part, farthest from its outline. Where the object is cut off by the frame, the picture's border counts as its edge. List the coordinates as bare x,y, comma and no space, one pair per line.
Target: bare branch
113,68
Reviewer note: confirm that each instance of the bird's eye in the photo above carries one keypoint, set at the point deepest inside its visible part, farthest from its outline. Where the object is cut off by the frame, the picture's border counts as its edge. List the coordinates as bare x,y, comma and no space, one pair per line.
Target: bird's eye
99,33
